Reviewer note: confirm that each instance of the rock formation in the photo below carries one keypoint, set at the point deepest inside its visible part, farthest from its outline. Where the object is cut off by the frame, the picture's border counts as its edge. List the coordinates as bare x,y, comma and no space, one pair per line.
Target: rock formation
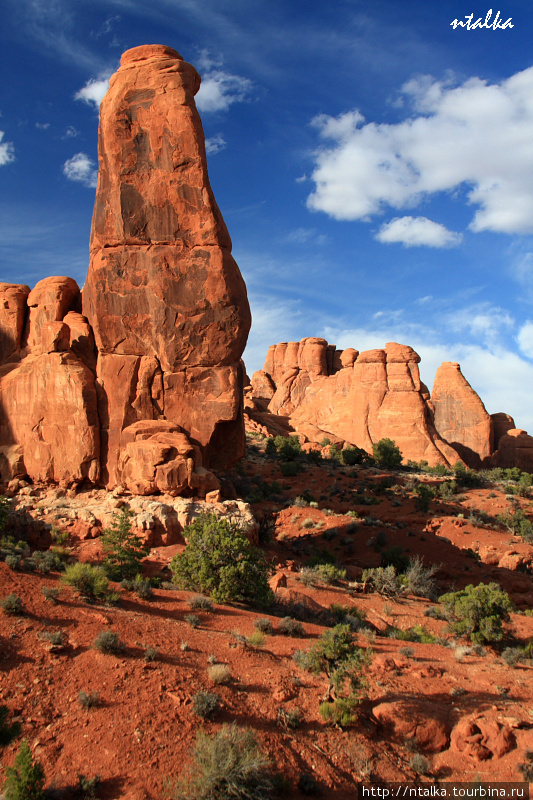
140,383
460,416
314,389
354,397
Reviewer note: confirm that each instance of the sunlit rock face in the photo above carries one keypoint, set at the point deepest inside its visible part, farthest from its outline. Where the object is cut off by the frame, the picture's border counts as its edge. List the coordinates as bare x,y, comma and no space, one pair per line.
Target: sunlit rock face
157,334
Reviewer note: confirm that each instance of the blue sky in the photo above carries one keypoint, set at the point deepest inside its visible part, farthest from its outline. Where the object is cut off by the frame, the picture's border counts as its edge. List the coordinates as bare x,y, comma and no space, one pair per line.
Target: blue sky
373,163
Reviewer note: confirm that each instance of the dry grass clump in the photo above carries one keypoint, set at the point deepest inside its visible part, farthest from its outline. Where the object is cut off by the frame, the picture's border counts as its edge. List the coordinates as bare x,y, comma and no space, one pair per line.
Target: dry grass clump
219,674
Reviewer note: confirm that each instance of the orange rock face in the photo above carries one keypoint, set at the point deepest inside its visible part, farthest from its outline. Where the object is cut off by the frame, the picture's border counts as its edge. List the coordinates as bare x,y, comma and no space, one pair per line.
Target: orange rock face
460,416
515,449
162,283
354,397
141,383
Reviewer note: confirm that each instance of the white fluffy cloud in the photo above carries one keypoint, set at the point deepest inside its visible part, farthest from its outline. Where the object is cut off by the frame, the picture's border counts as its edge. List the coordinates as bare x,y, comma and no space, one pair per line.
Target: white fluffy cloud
94,90
7,151
525,339
215,144
417,231
474,134
82,169
220,89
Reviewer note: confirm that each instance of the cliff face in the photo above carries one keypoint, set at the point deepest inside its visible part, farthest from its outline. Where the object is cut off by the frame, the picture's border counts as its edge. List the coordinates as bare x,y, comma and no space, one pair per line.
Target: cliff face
140,381
363,397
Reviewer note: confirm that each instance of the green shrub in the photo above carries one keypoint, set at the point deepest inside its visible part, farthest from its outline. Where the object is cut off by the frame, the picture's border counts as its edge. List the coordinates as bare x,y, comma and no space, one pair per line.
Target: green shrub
227,766
420,764
25,779
13,561
89,581
395,557
200,603
425,495
124,551
88,787
291,627
466,477
384,580
447,490
288,447
51,593
109,642
89,700
7,732
220,562
289,469
517,523
340,712
289,718
151,653
387,454
12,605
337,655
264,626
205,704
353,455
5,508
478,611
57,638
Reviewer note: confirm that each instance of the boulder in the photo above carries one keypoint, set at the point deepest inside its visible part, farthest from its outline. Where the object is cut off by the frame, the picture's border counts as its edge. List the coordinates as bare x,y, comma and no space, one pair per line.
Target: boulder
421,721
515,449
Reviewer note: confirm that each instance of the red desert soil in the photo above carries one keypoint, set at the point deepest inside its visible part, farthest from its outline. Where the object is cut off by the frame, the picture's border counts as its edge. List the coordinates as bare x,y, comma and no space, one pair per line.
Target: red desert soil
465,709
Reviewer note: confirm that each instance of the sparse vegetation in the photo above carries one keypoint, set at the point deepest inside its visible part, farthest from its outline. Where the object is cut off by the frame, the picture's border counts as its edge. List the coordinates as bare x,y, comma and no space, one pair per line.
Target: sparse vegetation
219,674
205,704
227,766
264,626
124,550
291,627
478,612
340,659
387,455
109,642
89,699
200,603
25,779
220,562
89,581
12,605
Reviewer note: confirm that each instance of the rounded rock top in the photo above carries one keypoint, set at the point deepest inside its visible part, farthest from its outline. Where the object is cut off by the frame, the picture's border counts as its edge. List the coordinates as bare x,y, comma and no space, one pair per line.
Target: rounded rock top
148,51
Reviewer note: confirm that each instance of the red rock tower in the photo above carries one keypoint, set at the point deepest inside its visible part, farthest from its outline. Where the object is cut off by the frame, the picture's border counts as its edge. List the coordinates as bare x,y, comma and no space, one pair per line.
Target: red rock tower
164,296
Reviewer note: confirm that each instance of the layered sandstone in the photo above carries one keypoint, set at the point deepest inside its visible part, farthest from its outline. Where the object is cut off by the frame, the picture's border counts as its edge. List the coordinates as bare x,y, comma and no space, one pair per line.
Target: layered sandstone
361,398
140,383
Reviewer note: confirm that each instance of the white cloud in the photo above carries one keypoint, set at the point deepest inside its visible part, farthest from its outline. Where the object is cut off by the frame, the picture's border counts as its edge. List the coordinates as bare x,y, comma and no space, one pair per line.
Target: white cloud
306,236
474,134
417,231
215,144
82,169
483,322
42,126
94,90
7,151
525,339
70,133
220,89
